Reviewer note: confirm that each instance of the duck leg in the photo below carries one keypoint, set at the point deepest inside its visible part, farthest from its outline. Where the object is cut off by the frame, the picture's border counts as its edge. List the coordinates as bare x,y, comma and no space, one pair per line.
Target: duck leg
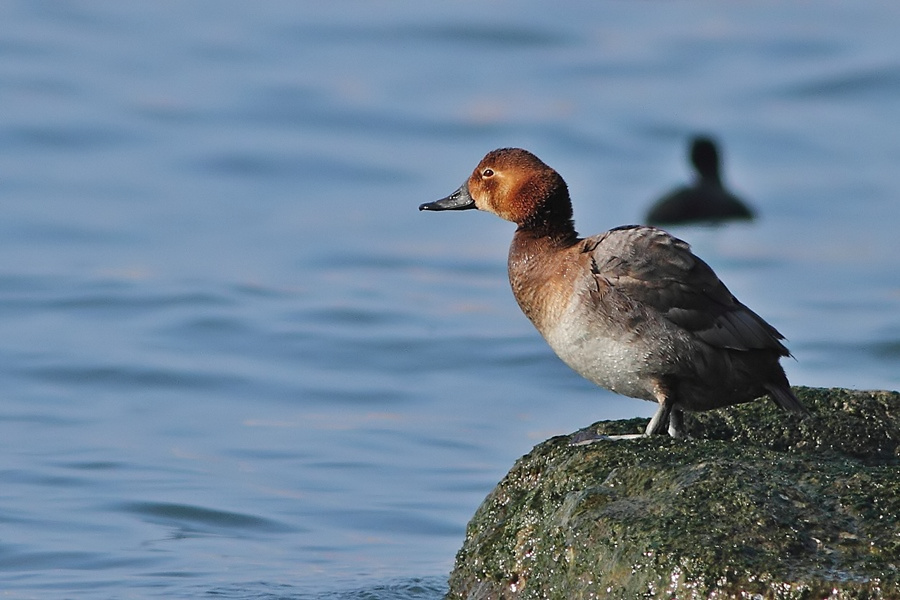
659,424
667,419
676,424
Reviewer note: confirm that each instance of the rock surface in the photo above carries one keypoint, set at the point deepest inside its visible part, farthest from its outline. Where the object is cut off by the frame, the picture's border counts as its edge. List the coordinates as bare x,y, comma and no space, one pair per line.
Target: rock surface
757,504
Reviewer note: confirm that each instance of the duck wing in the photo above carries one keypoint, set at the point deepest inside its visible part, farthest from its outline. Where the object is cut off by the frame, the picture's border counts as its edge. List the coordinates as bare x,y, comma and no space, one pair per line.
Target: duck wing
656,271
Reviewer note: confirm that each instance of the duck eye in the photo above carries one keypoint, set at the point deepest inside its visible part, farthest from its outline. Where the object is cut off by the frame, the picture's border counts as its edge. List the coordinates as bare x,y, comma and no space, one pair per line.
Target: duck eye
487,173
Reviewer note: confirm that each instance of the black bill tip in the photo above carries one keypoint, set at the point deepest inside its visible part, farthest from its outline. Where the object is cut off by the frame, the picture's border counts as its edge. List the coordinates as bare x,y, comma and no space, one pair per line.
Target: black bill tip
458,200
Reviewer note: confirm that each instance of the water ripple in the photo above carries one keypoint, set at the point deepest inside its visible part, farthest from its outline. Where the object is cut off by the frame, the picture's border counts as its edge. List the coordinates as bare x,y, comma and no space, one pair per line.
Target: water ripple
884,80
417,588
87,561
259,165
197,519
66,137
468,34
889,349
131,377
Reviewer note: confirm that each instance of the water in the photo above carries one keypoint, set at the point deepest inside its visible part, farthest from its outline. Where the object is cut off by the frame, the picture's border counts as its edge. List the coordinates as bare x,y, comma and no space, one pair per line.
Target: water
237,362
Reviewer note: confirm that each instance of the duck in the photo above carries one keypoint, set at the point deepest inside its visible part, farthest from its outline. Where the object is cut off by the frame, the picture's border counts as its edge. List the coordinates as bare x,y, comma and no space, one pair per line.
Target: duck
705,201
632,310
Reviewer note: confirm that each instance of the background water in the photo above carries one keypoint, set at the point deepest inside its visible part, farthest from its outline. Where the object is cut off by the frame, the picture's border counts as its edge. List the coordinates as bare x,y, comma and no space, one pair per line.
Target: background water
238,362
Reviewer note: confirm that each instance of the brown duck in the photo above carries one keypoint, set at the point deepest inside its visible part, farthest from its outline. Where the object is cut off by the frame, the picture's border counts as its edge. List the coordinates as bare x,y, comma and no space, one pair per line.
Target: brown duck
632,309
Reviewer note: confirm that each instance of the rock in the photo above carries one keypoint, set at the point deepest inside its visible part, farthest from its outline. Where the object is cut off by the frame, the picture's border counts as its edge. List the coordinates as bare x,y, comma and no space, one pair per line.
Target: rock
757,504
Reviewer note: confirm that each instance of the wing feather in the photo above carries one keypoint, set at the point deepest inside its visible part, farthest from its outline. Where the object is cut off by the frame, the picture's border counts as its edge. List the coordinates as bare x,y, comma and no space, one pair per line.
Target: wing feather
659,272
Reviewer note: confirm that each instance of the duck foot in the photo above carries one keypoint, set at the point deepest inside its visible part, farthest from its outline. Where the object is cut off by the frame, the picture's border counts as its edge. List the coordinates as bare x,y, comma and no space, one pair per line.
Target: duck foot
583,438
666,420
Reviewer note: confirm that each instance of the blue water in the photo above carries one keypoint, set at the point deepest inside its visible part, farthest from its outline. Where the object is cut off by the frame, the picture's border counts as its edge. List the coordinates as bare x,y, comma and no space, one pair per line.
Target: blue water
238,362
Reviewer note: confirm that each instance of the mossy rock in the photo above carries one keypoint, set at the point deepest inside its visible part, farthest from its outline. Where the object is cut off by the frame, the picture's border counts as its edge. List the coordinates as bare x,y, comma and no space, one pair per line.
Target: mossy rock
756,504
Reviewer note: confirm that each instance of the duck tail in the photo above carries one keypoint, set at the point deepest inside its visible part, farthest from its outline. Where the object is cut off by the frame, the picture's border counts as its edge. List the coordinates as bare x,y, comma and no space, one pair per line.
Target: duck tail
785,398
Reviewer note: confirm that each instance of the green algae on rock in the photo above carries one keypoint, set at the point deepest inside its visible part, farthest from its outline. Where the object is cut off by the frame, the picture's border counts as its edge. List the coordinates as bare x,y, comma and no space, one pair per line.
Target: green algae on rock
756,504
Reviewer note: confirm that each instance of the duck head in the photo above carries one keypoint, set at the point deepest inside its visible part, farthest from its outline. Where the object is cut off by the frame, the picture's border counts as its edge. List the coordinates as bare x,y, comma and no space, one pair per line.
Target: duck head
515,185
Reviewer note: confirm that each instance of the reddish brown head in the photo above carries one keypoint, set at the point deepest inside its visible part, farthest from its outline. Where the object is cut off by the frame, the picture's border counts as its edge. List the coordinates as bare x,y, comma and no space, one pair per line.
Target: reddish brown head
515,185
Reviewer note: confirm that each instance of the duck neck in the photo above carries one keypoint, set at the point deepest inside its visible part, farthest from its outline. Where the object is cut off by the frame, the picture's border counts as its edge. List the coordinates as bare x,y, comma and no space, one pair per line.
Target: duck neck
552,223
712,180
709,174
537,259
545,237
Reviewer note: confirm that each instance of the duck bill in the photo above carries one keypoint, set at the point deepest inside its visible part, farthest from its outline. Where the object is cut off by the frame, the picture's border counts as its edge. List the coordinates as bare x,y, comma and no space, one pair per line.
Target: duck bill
458,200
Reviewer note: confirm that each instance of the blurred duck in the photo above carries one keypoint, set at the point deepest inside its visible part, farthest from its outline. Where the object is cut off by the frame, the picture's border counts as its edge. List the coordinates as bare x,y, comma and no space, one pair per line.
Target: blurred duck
707,200
633,309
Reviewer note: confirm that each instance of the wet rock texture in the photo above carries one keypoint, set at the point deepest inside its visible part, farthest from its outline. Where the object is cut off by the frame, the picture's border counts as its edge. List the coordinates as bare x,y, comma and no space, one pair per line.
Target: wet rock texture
757,504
